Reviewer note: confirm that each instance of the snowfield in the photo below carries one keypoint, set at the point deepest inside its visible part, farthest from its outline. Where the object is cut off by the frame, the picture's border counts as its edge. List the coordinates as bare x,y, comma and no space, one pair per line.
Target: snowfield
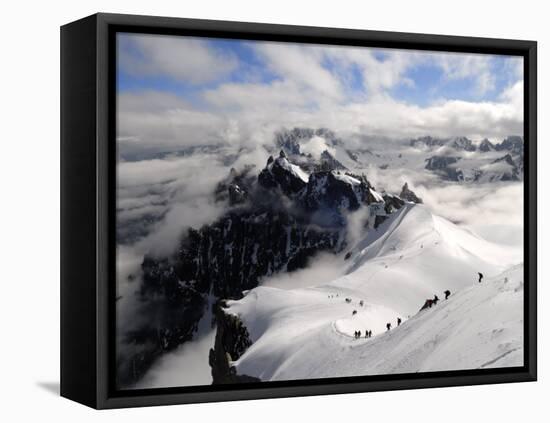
307,331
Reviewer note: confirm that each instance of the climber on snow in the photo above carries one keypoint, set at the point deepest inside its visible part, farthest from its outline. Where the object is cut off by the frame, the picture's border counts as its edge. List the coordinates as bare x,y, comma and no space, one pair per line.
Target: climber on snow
398,321
480,276
447,294
427,304
388,326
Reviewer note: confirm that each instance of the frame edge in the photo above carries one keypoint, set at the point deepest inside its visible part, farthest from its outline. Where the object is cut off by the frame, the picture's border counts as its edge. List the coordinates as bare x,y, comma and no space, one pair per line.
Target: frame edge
77,212
104,400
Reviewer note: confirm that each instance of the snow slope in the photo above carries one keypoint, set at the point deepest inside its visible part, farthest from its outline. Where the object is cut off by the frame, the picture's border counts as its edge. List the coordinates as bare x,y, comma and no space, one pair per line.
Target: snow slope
307,332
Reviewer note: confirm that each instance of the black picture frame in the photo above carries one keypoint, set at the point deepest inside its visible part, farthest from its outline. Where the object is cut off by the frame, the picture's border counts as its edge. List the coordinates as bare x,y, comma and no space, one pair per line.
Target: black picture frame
88,162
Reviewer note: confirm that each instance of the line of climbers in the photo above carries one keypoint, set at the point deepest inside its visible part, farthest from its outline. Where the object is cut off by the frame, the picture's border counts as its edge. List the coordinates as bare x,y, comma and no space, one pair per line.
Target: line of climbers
428,304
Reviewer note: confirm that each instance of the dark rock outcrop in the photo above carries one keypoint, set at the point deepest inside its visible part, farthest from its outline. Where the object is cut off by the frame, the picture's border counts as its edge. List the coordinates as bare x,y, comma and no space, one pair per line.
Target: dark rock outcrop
444,167
328,162
281,174
511,172
408,195
392,203
513,144
236,186
427,141
336,192
440,162
462,143
485,146
232,340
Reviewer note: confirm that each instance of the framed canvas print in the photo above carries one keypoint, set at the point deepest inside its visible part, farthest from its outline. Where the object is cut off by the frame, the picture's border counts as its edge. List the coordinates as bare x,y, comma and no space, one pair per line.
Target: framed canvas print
256,211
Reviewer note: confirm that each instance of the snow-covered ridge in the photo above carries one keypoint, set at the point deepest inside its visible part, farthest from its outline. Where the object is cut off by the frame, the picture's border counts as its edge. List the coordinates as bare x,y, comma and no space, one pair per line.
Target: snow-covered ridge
346,178
307,332
292,168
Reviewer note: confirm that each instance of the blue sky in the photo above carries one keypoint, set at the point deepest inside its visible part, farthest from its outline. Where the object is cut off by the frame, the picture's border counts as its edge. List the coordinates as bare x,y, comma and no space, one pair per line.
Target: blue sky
431,84
248,63
184,90
428,81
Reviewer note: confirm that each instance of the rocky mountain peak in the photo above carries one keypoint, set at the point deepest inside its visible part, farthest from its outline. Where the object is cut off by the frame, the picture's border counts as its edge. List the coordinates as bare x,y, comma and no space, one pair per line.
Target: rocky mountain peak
235,186
512,143
329,195
486,146
463,143
280,173
328,162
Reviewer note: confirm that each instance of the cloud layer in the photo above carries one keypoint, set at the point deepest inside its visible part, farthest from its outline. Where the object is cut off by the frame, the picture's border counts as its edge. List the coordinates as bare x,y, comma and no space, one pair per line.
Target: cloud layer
181,91
180,58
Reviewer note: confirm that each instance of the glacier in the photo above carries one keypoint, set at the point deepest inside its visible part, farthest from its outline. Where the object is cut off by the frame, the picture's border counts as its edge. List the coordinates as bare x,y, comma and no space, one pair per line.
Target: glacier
307,331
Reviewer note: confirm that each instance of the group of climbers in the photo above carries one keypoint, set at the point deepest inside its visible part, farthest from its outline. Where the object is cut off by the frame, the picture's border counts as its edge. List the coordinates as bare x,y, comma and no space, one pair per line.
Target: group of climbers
431,302
357,334
428,304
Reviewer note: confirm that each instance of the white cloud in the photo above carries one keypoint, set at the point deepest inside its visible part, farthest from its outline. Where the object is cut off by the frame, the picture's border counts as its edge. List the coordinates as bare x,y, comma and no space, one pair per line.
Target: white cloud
476,205
302,66
468,66
185,59
385,116
513,95
181,186
379,71
253,96
310,88
325,69
158,121
249,114
315,146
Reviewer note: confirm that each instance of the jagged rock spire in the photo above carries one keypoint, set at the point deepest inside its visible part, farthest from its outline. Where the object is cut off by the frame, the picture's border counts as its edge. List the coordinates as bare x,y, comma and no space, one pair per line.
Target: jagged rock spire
408,195
281,174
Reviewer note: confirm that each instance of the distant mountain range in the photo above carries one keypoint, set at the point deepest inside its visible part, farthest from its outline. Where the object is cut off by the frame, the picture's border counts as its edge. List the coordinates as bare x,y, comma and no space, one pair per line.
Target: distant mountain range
456,159
486,162
276,220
